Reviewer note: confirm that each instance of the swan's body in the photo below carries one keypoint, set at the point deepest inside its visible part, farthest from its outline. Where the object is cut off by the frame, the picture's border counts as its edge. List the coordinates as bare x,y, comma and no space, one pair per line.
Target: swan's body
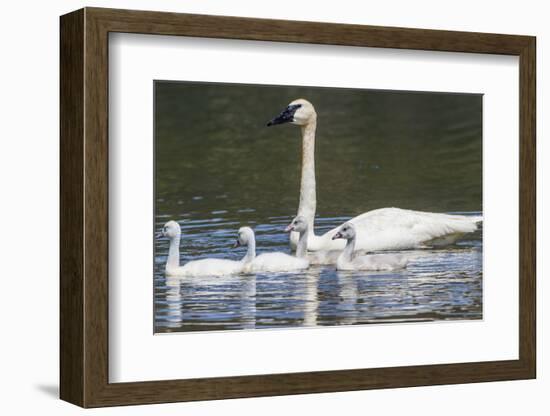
323,257
273,262
276,262
348,260
327,257
196,268
373,263
380,229
207,267
399,229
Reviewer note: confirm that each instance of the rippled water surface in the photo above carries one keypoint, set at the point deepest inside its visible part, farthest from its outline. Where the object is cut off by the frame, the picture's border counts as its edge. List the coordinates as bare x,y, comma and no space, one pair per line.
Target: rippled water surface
218,168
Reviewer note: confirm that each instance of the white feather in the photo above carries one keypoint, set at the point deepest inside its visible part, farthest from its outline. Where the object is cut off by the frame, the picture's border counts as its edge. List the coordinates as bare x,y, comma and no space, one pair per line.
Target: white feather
207,267
275,262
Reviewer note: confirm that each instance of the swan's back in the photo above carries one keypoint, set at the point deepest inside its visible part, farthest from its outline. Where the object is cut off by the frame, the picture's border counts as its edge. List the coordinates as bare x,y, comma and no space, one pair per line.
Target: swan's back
276,262
397,229
208,267
429,224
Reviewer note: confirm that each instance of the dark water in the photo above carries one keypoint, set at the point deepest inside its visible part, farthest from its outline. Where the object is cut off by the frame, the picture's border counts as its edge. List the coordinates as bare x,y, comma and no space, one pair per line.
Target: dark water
218,168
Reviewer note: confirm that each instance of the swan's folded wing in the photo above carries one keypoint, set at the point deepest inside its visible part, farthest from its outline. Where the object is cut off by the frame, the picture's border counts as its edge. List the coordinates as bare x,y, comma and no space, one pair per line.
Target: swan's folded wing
277,262
212,267
324,257
380,262
400,228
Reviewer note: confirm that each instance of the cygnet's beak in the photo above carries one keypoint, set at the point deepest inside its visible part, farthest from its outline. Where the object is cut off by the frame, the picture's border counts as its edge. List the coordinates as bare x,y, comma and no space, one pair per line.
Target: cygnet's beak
159,234
337,235
289,228
237,243
286,116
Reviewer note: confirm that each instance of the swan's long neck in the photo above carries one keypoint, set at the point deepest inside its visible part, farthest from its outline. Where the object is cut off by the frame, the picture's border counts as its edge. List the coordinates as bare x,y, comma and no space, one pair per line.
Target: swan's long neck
347,254
301,247
250,251
308,199
173,253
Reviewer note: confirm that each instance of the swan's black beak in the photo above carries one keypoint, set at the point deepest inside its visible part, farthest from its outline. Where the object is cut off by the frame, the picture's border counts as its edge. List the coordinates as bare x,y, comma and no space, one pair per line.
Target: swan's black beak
337,236
286,116
159,234
237,244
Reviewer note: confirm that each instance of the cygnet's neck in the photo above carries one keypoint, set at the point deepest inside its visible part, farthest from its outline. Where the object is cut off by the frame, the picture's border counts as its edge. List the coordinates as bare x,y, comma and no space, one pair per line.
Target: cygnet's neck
251,249
308,198
347,254
301,247
173,261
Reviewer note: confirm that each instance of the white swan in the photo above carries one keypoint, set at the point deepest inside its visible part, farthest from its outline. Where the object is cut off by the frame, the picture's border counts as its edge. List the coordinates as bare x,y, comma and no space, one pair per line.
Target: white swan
373,262
195,268
275,262
380,229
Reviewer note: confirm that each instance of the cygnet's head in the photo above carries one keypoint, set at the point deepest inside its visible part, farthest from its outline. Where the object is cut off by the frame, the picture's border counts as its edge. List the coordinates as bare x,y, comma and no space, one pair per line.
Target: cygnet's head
346,231
171,229
299,112
298,224
245,236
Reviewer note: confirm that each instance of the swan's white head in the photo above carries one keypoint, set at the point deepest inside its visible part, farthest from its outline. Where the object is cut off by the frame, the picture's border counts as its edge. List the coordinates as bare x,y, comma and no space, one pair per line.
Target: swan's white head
171,229
298,224
346,231
300,112
245,236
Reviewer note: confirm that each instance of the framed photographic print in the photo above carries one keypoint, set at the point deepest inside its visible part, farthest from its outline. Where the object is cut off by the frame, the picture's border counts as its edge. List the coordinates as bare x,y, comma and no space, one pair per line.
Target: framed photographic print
258,207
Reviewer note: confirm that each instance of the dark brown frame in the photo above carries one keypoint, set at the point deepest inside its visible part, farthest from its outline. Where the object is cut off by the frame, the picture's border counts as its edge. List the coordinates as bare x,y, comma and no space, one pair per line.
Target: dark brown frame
84,207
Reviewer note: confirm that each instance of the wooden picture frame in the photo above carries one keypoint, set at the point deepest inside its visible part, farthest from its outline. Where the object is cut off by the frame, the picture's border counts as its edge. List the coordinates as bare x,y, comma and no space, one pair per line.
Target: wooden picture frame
84,207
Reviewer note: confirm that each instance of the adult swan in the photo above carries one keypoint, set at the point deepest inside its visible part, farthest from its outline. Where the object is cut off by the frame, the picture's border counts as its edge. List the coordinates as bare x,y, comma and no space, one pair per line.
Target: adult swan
380,229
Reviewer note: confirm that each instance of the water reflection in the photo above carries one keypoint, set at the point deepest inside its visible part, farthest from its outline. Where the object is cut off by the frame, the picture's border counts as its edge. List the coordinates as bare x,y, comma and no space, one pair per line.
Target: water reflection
248,302
173,311
311,299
